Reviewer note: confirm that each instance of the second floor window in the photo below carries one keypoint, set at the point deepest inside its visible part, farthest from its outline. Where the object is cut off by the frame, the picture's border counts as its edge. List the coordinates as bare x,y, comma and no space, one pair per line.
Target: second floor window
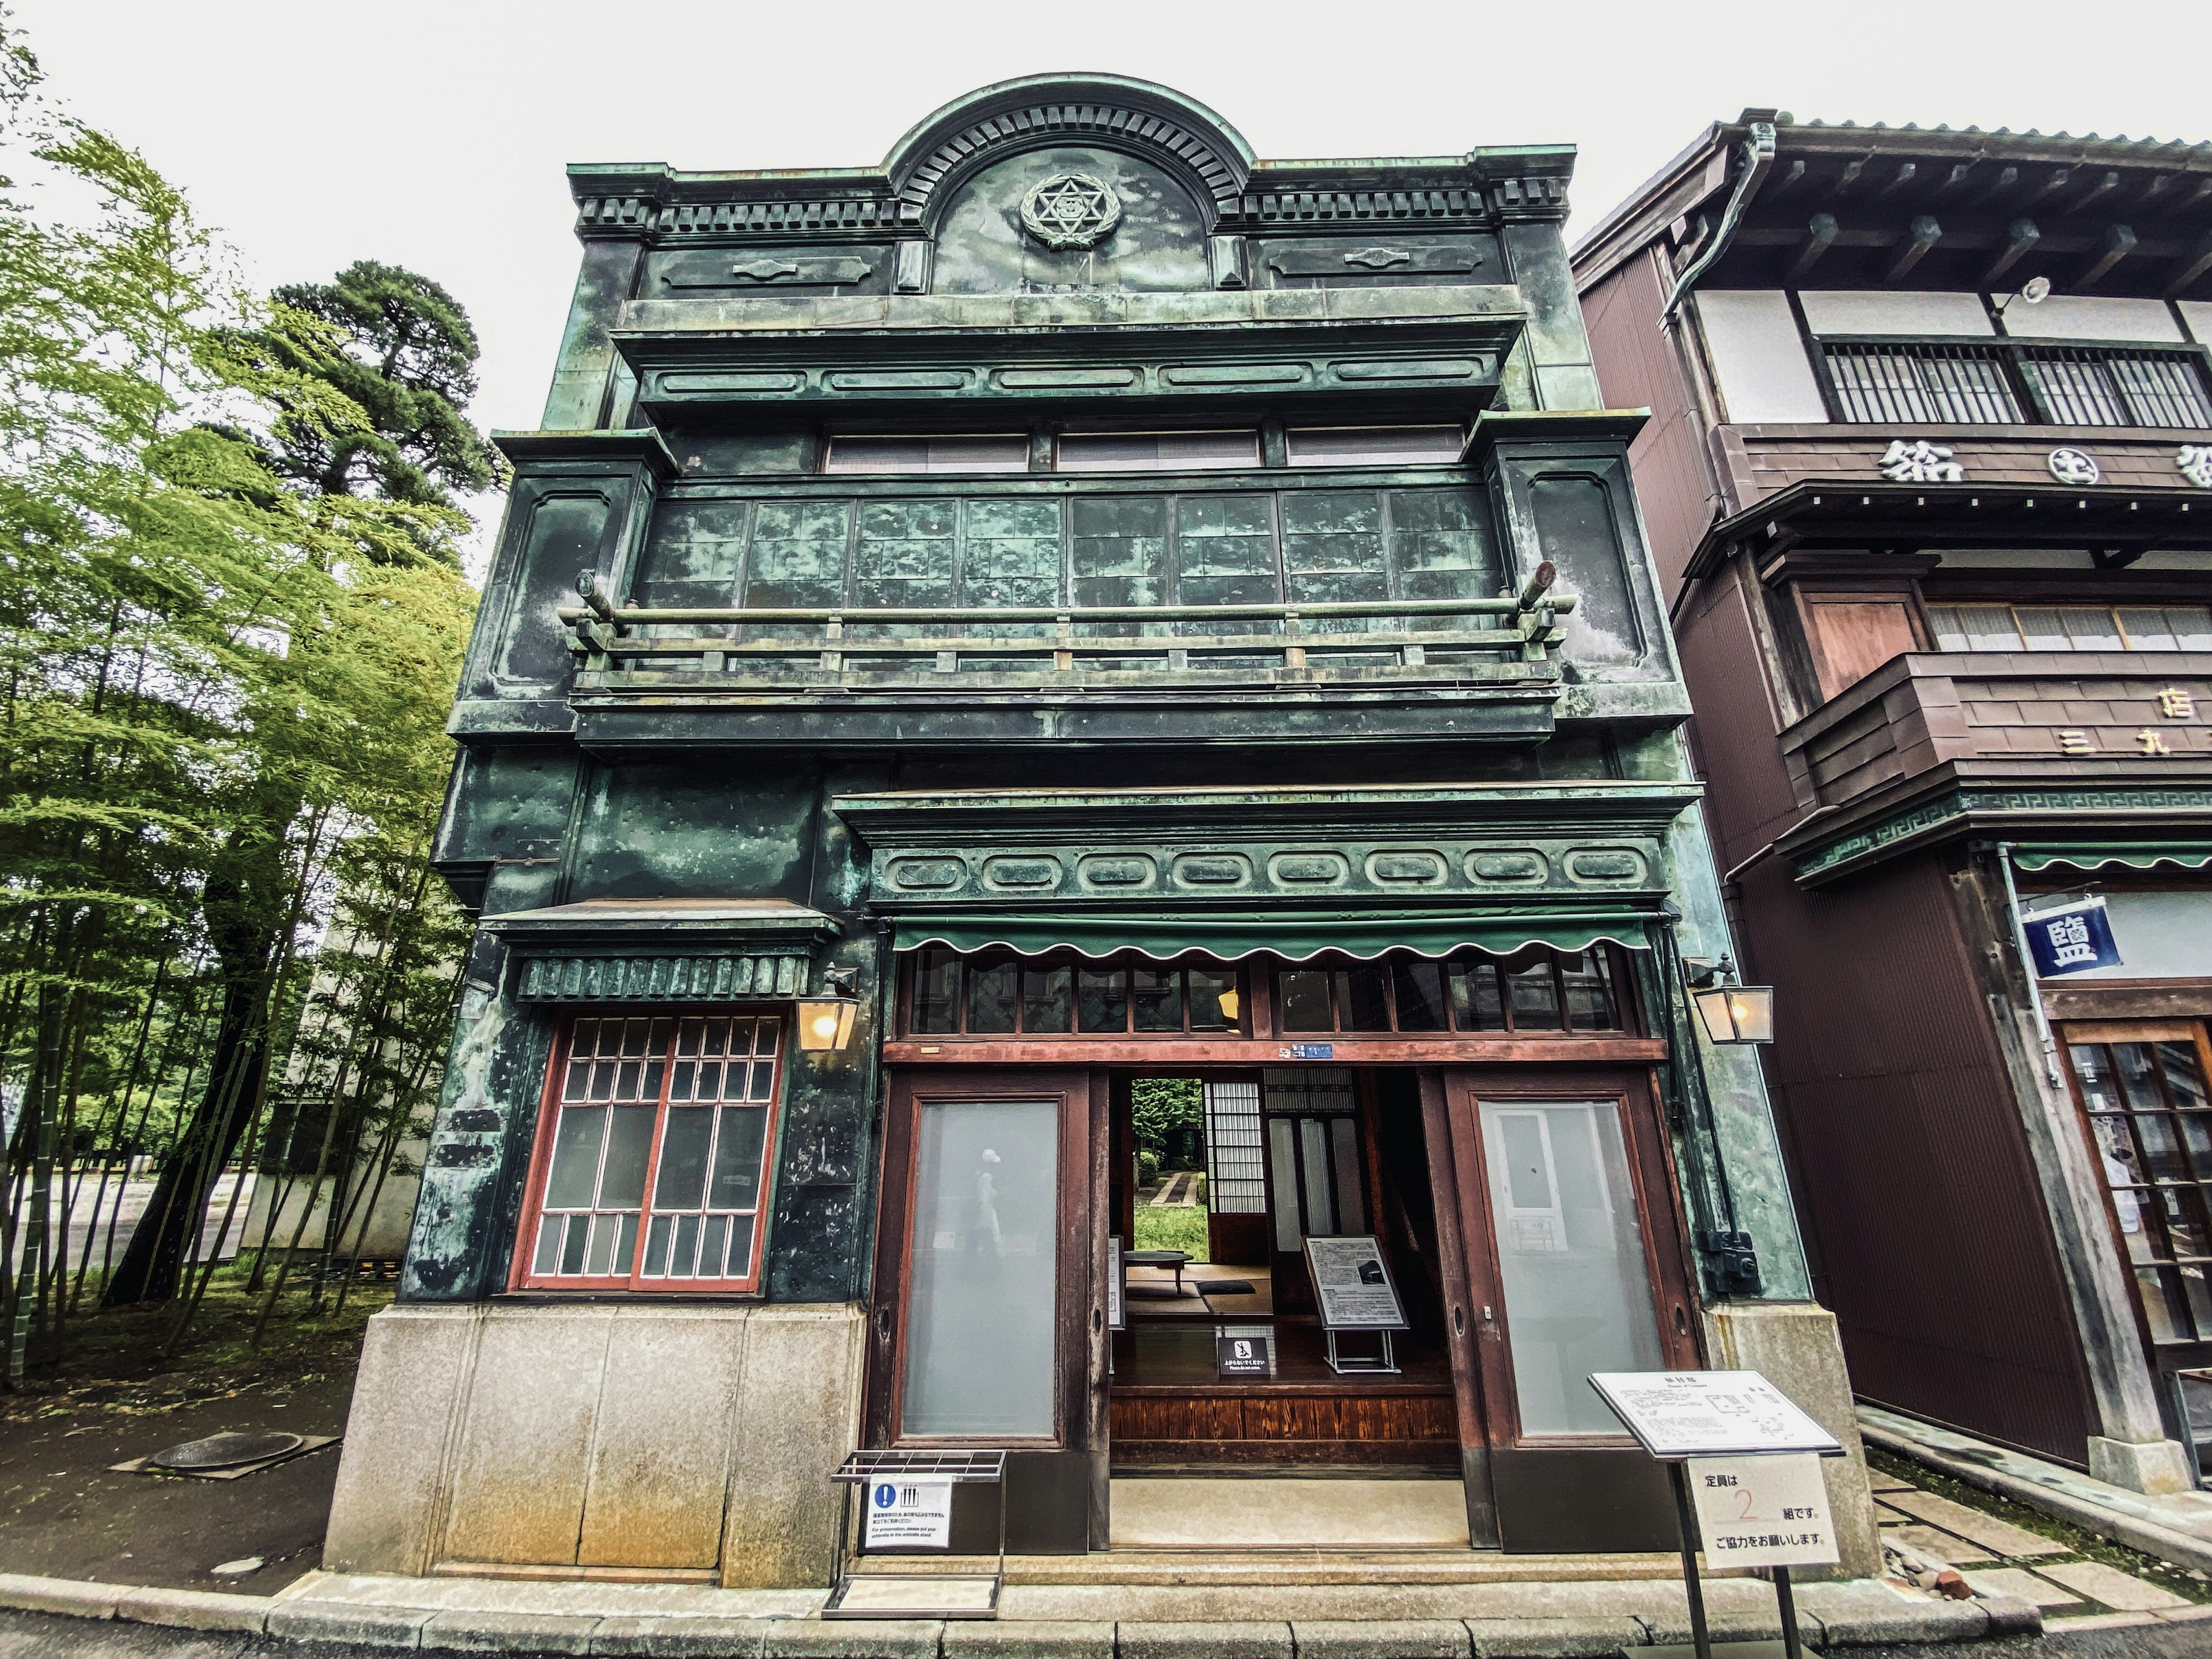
2016,383
1157,451
995,452
1374,446
2070,628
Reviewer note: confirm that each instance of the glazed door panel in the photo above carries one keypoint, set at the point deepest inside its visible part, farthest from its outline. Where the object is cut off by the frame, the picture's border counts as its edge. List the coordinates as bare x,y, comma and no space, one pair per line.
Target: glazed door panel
1574,1265
984,1268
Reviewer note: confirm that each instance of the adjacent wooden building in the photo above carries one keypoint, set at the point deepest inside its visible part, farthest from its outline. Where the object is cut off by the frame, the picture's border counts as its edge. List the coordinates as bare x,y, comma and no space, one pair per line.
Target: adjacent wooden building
1930,484
1073,604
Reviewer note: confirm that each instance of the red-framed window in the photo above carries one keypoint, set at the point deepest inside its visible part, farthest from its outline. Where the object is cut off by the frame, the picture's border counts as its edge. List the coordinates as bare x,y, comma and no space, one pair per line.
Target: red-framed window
650,1172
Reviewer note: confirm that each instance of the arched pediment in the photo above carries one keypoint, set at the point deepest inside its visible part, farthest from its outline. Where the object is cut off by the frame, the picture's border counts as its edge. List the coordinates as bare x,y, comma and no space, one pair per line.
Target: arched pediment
1162,126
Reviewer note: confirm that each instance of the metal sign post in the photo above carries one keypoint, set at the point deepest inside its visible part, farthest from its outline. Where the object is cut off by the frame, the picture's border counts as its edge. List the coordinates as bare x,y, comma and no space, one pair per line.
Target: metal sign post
1744,1464
888,1595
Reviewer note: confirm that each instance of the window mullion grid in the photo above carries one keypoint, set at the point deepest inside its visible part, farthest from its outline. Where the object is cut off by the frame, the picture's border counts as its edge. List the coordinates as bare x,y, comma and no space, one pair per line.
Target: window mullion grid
2012,359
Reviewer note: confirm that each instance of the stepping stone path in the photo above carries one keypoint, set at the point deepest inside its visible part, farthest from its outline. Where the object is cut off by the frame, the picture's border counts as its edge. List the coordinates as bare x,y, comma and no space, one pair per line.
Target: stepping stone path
1937,1529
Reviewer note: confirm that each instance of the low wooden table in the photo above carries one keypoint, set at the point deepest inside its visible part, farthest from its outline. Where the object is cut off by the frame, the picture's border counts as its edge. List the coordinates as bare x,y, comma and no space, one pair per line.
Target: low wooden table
1176,1260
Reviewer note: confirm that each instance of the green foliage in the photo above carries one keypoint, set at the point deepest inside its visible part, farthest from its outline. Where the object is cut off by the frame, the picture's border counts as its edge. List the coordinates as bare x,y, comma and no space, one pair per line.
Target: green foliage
1148,1168
226,672
1172,1227
1159,1104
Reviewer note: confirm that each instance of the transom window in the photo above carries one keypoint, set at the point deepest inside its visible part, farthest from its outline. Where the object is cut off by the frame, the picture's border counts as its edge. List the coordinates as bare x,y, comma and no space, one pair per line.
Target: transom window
1374,446
990,452
1539,989
1126,996
2071,627
679,1107
2150,1123
1157,451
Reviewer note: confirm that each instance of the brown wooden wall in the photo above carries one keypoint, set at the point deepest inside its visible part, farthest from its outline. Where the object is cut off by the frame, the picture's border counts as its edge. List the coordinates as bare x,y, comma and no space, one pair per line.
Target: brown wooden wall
1637,369
1399,1427
1761,460
1938,1257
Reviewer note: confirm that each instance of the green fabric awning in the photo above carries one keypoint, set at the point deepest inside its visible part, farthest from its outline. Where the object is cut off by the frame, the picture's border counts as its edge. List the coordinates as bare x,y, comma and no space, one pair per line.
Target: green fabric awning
2129,854
1296,937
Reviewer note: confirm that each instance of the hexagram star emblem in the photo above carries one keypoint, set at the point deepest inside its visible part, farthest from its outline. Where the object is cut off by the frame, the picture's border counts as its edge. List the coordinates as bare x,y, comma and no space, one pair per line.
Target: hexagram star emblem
1070,211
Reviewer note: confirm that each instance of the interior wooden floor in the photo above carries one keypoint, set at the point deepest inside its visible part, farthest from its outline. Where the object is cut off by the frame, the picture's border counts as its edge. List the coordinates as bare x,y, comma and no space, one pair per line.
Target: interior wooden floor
1172,1410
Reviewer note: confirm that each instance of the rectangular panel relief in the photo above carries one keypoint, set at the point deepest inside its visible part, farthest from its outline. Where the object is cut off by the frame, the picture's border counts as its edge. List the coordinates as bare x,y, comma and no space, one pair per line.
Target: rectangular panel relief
711,273
1583,520
1380,261
563,531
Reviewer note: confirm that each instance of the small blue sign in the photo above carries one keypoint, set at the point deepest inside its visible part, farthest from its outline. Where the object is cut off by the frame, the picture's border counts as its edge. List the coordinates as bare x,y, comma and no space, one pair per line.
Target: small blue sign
2072,940
886,1495
1312,1051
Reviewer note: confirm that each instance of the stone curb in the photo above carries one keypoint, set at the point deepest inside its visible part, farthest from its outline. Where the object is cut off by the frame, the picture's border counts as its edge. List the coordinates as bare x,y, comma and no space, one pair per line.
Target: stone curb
2138,1535
679,1636
194,1609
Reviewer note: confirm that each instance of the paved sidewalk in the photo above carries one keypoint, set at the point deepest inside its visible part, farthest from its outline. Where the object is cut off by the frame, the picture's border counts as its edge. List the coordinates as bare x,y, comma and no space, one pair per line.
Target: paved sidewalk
2175,1527
1500,1618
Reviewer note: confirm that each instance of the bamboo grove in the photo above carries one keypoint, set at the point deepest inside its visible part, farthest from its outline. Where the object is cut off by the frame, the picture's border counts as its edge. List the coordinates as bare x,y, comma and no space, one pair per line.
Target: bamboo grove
231,621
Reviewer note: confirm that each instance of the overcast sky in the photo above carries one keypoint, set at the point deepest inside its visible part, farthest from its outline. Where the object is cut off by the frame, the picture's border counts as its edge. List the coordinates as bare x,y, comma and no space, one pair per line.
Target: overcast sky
433,133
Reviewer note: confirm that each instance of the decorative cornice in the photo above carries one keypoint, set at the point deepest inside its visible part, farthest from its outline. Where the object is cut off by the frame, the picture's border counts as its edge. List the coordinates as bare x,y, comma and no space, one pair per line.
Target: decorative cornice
1957,811
778,973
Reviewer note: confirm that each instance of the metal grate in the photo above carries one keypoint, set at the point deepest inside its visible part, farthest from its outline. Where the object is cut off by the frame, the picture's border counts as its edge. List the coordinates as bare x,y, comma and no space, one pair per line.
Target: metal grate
2014,383
863,1465
1890,385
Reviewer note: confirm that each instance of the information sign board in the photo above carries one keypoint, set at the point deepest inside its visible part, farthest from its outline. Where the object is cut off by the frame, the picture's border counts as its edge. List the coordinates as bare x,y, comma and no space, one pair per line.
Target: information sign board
905,1513
1353,1282
1244,1355
1114,1270
1677,1414
1763,1511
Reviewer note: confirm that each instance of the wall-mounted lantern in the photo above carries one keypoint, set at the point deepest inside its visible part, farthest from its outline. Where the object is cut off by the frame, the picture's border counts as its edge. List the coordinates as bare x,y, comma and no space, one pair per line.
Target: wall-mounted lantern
1731,1013
825,1021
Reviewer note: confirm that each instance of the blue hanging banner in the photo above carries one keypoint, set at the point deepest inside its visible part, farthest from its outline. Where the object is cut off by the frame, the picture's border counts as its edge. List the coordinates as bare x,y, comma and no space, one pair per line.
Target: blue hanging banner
2071,940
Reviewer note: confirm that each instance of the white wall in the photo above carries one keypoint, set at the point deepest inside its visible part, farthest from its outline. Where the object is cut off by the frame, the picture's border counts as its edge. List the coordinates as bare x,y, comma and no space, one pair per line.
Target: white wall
1758,357
2198,314
1849,311
2078,316
2160,935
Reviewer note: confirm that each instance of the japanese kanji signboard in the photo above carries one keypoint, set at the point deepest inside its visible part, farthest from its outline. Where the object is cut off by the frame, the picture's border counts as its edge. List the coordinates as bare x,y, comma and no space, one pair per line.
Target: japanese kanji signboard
1762,1511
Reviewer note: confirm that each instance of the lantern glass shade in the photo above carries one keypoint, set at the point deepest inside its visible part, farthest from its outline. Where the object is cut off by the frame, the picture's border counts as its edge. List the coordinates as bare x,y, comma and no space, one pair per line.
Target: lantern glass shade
1737,1013
825,1024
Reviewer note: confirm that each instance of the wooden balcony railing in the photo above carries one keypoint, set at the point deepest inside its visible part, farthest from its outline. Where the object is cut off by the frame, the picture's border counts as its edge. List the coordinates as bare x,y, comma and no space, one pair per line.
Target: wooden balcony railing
1511,639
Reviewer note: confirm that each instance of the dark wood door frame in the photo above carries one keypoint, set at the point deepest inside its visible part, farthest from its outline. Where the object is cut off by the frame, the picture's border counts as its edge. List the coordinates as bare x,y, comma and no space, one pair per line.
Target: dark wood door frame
1079,1275
1446,1187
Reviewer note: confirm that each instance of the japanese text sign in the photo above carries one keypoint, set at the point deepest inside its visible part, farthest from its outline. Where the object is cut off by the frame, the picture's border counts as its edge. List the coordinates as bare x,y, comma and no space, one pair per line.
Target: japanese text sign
1677,1414
2071,940
1762,1511
906,1514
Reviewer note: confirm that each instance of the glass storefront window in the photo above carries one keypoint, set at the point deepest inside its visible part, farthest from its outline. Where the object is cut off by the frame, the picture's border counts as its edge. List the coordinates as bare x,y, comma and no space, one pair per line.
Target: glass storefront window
1571,1258
979,1331
2150,1125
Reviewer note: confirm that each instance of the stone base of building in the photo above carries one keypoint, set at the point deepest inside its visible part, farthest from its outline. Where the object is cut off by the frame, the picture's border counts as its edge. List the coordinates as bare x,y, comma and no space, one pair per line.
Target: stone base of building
1795,1346
694,1441
2154,1468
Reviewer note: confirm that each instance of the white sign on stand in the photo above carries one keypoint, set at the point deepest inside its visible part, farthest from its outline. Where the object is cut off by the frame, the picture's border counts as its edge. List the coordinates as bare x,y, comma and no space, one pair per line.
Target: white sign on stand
1353,1285
904,1513
1676,1414
1114,1272
1769,1512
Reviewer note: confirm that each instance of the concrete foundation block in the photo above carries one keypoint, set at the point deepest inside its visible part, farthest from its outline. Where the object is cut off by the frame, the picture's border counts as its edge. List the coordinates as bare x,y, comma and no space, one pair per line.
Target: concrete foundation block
28,1593
354,1625
2009,1615
1729,1624
871,1638
1543,1639
1380,1639
1028,1638
1866,1612
183,1609
473,1631
2154,1468
388,1508
797,1414
1255,1640
1795,1346
664,1637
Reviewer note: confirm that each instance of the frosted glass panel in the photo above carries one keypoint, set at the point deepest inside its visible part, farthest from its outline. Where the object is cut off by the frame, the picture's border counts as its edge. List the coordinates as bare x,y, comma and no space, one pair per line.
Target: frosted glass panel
979,1302
1577,1291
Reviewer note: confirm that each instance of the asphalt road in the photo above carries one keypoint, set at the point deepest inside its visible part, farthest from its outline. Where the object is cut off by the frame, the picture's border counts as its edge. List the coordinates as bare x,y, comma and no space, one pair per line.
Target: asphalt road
38,1636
